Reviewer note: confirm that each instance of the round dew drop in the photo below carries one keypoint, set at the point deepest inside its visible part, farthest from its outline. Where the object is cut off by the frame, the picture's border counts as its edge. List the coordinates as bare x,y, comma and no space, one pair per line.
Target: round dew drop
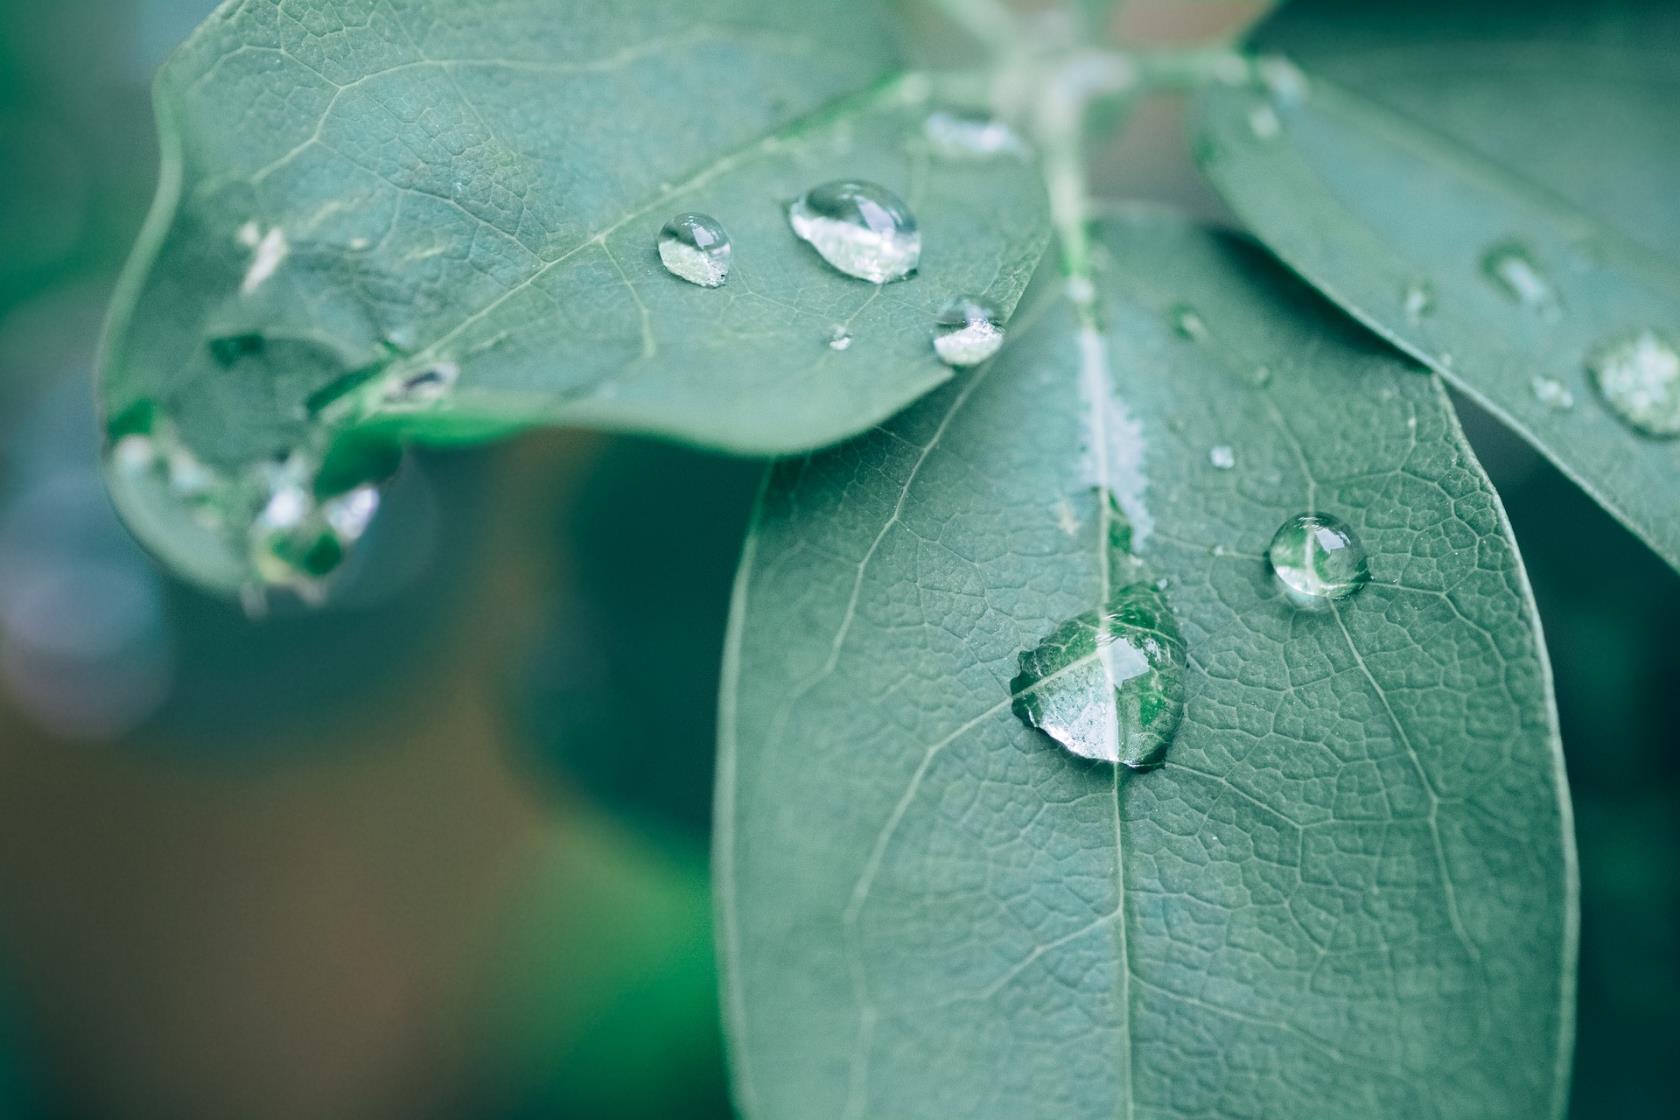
695,248
1317,560
967,332
861,229
1638,376
1222,457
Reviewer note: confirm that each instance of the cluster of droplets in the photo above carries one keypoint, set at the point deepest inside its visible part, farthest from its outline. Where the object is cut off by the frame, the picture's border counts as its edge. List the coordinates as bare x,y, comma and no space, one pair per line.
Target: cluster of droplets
269,518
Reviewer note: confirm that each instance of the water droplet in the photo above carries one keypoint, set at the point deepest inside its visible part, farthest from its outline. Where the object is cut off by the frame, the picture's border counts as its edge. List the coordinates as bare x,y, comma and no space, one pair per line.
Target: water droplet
1418,301
862,229
1512,270
422,387
967,332
1317,560
1222,457
296,540
1553,393
1263,122
1638,375
1109,684
1262,376
1187,322
839,338
694,247
1282,79
963,135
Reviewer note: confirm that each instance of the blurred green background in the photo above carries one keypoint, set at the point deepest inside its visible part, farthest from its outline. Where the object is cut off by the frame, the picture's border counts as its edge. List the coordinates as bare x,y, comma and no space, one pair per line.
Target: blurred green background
439,850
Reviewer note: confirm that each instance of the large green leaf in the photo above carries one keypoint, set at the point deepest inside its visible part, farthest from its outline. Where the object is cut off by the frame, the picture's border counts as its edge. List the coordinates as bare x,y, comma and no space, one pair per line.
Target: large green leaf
1431,141
1348,892
356,193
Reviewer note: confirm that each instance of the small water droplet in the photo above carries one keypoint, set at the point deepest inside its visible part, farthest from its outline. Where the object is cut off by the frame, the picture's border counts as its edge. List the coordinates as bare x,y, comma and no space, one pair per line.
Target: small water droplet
1282,79
422,387
1187,322
695,248
1512,270
1317,560
1553,393
1418,301
1108,684
839,338
963,135
862,229
1222,457
967,332
1638,375
1262,376
1263,122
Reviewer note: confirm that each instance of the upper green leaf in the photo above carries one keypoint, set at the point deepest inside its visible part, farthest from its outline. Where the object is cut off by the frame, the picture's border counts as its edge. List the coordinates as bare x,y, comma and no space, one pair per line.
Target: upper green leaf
1490,187
438,221
1349,889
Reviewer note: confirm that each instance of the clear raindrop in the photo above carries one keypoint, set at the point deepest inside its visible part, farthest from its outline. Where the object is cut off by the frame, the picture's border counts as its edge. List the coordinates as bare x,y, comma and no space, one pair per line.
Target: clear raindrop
1317,560
967,332
1222,457
862,229
961,135
695,248
1511,269
1638,375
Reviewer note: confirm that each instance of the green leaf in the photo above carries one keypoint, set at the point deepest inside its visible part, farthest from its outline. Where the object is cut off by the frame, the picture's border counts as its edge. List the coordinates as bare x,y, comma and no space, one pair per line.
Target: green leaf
356,195
1349,891
1432,140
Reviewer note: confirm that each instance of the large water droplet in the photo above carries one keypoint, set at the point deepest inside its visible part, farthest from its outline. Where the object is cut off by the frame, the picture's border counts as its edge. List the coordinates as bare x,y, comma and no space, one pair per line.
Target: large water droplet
1638,376
1513,272
1553,393
1317,560
961,135
1108,684
695,248
862,229
967,332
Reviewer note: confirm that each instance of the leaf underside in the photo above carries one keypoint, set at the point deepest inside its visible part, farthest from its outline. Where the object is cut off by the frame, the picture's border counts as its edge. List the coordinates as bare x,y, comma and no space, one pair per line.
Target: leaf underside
354,193
1433,135
1348,892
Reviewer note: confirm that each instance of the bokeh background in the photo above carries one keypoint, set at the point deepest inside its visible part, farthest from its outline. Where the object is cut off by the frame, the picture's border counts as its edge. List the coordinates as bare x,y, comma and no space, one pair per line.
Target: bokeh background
439,850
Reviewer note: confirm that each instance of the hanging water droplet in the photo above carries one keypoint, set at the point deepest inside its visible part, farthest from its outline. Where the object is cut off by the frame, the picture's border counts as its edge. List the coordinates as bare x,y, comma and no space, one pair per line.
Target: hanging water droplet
962,135
296,540
1187,322
862,229
1222,457
966,332
1418,301
1553,393
1513,272
694,247
1108,684
839,338
1317,560
1263,122
1638,376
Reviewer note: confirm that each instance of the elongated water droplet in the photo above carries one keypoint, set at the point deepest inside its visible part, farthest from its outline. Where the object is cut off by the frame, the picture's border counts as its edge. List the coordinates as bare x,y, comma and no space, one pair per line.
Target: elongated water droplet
1513,272
1638,376
1108,684
1418,301
695,248
1222,457
422,387
1317,560
1553,393
839,338
862,229
1187,322
961,135
967,332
